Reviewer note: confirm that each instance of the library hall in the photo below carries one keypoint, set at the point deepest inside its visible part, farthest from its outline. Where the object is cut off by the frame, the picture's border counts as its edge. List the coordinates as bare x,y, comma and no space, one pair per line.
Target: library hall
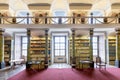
59,39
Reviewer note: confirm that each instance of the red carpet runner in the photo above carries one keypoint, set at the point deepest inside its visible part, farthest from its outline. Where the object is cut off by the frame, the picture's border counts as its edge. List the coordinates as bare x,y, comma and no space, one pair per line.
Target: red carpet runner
69,74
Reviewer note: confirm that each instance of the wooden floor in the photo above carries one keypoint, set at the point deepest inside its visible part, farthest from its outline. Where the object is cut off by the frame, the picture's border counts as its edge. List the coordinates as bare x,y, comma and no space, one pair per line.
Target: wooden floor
8,72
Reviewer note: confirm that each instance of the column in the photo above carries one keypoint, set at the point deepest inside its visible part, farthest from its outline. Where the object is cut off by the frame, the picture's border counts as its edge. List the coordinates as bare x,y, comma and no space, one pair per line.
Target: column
73,46
117,61
91,47
91,22
118,17
0,18
46,18
28,47
27,18
46,48
2,63
91,44
74,15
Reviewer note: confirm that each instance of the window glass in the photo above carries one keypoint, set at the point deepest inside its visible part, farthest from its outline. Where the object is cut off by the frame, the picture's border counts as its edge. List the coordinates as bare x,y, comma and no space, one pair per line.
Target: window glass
56,52
62,39
95,45
24,40
24,46
62,52
59,45
56,39
24,52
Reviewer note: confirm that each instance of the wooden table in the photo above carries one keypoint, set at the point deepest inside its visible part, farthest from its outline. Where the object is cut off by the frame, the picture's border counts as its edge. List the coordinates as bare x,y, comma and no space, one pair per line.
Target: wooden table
85,62
16,62
35,63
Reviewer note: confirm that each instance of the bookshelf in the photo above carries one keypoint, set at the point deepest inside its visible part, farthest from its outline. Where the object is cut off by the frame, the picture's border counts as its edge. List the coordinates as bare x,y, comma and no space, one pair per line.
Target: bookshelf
7,50
112,51
82,49
37,49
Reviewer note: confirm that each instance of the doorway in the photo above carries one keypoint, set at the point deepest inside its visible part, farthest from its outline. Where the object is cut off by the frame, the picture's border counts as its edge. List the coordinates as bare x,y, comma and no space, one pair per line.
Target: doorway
59,48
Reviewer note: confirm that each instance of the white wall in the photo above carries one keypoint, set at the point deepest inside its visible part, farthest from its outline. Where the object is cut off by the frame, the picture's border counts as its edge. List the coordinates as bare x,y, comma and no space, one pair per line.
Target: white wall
17,47
102,47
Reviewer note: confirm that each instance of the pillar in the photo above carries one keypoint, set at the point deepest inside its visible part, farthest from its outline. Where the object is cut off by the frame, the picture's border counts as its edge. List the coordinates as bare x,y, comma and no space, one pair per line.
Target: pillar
118,17
91,47
117,61
46,48
91,44
27,18
28,47
73,46
91,21
74,18
0,18
60,20
2,63
46,18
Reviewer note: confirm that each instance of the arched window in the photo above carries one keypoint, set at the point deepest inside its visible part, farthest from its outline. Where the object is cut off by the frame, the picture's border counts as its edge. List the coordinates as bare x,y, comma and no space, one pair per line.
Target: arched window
22,14
96,14
60,14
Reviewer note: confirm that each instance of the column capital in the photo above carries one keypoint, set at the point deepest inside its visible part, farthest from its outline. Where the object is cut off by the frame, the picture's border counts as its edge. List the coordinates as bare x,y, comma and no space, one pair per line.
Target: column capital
46,31
73,31
117,31
91,31
28,32
1,31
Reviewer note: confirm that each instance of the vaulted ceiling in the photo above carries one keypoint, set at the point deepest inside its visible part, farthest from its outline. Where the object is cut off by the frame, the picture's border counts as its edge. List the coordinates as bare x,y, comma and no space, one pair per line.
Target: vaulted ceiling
70,1
104,5
13,6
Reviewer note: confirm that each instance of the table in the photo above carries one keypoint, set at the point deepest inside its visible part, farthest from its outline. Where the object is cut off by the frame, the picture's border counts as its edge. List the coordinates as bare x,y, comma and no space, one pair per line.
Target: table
35,63
85,62
16,62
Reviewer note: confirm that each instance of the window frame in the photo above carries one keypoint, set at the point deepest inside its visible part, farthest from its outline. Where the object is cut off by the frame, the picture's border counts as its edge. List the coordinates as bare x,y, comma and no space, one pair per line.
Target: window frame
22,43
60,48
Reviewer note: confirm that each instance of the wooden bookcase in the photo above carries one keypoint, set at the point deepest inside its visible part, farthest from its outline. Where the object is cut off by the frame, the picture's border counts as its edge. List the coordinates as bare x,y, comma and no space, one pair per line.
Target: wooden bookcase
7,50
37,49
112,51
82,49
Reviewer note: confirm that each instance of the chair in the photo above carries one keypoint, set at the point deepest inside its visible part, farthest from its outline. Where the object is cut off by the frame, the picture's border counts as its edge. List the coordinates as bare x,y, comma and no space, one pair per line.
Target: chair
99,63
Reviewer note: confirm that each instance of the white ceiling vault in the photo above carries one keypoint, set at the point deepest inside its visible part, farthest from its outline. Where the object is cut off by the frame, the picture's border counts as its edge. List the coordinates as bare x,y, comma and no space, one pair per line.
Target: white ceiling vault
69,1
51,5
104,6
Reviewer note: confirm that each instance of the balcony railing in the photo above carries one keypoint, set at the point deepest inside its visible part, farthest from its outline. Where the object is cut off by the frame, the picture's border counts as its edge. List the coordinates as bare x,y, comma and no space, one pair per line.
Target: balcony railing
59,20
